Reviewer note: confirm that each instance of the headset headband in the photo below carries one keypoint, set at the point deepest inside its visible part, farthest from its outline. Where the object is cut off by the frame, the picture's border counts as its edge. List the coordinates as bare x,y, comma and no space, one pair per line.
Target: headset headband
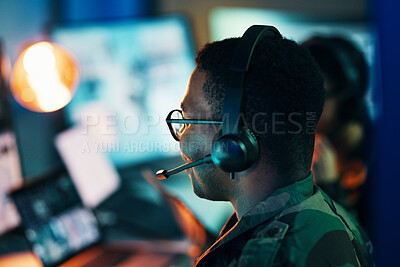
239,66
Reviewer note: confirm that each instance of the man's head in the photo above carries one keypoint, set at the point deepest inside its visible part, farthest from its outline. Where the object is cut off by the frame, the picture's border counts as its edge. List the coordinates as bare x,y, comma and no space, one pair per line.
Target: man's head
283,99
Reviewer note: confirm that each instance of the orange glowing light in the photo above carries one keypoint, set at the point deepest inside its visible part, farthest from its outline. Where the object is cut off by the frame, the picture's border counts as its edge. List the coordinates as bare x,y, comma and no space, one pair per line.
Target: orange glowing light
44,77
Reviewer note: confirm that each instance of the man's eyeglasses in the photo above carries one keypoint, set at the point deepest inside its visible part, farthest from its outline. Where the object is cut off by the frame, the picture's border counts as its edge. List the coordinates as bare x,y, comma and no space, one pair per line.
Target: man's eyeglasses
177,124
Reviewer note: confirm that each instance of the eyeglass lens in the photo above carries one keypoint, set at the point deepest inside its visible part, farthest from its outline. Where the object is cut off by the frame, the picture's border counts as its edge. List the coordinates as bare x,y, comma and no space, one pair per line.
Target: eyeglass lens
178,128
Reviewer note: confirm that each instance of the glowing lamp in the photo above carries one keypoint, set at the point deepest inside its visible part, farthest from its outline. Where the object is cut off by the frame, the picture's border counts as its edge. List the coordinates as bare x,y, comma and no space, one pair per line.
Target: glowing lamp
44,77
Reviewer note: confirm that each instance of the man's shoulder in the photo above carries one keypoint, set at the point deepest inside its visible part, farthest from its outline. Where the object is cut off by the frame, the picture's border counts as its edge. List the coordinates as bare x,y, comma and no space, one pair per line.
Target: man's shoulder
305,222
318,214
309,233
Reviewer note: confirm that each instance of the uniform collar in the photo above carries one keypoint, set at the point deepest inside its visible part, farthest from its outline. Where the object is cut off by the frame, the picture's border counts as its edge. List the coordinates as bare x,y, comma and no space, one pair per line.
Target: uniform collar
279,200
282,198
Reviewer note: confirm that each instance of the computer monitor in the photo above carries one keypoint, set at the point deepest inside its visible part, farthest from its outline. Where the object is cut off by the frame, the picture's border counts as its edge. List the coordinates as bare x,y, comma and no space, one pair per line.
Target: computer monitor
132,73
10,167
227,22
54,220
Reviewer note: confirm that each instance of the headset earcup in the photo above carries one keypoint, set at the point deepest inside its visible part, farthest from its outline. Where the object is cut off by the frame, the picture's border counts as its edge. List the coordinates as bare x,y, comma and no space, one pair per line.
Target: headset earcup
235,153
251,143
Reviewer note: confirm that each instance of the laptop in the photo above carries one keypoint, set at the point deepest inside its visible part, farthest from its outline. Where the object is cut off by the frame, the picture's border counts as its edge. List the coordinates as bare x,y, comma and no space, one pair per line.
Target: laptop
62,231
87,166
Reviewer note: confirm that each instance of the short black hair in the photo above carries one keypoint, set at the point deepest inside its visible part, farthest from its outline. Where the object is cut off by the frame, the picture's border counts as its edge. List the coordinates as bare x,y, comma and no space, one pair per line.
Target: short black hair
283,79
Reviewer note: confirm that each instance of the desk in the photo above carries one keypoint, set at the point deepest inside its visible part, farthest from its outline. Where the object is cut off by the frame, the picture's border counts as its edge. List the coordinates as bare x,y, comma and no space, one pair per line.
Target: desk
137,213
25,259
146,253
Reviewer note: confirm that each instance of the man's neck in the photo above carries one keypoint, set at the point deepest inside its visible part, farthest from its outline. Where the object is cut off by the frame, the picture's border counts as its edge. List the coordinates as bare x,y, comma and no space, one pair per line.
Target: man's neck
252,188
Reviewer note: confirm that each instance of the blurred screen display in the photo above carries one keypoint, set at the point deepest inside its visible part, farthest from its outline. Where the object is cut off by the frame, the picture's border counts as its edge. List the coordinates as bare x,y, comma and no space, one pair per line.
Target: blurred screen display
10,167
55,223
232,22
132,74
10,178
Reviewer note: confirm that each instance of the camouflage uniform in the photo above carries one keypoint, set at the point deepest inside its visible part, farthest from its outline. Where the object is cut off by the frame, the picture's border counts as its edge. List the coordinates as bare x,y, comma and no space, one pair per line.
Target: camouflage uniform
297,225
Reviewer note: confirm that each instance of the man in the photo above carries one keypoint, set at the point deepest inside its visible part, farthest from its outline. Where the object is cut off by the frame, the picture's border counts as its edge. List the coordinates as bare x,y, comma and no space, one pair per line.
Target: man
281,218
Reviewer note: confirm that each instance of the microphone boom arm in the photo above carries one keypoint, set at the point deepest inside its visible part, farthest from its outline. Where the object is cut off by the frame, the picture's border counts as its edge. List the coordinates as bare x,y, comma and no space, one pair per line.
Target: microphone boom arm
164,174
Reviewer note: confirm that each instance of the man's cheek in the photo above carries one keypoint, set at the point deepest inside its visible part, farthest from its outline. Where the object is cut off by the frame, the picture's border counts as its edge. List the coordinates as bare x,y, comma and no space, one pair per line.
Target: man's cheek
188,146
193,146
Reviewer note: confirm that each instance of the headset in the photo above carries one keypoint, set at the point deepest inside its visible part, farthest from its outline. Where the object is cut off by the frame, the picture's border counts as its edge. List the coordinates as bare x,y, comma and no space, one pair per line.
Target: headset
235,148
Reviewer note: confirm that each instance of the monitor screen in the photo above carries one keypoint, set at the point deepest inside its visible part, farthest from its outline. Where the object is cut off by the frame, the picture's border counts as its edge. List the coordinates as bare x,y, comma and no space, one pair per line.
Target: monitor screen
233,21
55,222
10,167
132,74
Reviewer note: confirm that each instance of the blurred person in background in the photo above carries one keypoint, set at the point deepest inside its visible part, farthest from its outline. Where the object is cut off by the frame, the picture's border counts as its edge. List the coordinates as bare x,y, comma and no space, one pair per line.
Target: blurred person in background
341,154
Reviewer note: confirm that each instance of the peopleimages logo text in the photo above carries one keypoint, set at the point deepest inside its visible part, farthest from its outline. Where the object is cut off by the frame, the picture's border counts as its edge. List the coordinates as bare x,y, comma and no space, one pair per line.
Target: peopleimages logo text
112,123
